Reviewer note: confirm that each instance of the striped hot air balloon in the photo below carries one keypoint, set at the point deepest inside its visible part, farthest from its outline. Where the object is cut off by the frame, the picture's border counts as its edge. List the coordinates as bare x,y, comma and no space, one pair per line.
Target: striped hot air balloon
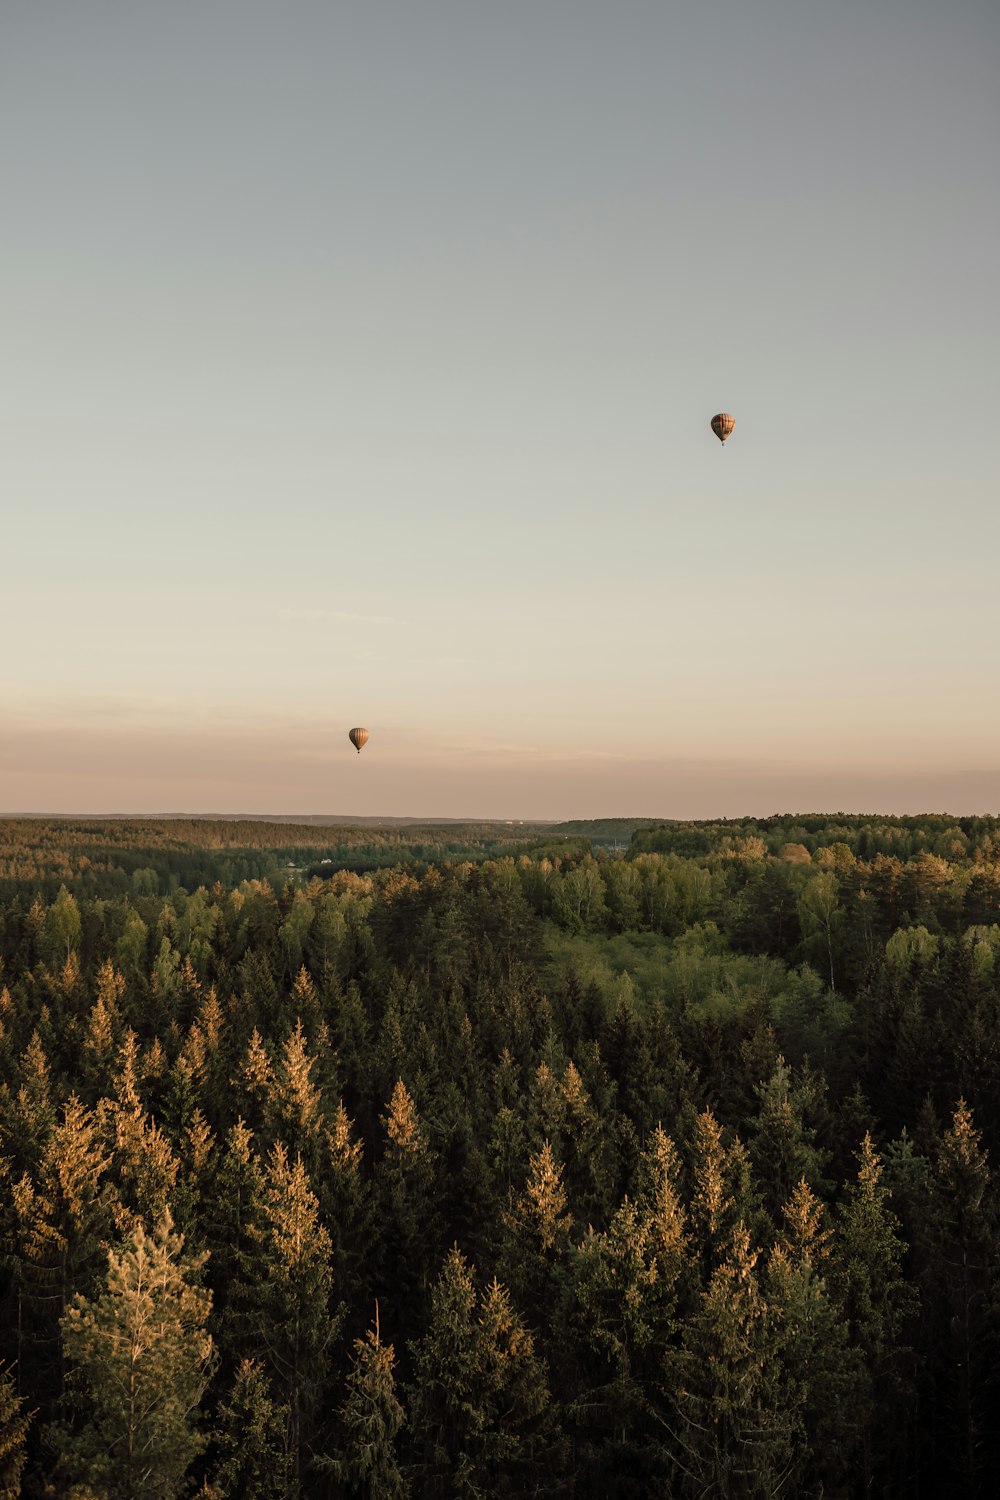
722,425
358,737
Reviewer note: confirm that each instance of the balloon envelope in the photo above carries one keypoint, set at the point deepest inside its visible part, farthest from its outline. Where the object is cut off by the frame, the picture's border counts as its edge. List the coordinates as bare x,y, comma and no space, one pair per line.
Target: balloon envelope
357,737
722,425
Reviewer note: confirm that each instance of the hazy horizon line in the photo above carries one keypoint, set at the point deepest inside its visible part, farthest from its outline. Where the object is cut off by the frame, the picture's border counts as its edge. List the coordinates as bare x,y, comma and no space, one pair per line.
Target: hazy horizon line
334,819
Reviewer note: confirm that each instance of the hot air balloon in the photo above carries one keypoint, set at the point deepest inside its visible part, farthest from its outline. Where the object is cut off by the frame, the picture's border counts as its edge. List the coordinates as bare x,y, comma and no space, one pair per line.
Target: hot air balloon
358,737
722,425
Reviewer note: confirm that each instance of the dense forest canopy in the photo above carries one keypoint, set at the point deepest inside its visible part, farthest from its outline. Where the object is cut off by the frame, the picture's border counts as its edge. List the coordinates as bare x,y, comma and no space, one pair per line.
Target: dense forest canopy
496,1160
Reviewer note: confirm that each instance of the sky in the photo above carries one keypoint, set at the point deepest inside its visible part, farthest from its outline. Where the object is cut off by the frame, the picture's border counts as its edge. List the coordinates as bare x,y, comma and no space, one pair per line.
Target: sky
356,367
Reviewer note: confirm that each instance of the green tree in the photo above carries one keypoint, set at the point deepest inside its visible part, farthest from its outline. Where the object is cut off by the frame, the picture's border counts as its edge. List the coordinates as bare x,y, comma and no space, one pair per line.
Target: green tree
63,928
294,1104
479,1391
732,1433
63,1215
348,1207
139,1359
130,949
722,1192
371,1419
876,1303
960,1280
405,1180
821,914
782,1146
809,1344
252,1460
229,1219
142,1163
290,1294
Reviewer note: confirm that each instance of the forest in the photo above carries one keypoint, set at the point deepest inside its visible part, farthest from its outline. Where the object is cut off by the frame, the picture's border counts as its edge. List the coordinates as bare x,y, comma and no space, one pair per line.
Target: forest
645,1159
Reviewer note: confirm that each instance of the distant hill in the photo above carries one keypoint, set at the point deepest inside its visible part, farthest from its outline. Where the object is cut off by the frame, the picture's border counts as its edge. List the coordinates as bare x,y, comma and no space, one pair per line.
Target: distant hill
605,830
302,820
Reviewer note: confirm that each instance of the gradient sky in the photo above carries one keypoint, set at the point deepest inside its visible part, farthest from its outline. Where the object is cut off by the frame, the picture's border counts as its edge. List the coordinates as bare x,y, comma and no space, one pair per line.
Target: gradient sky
356,364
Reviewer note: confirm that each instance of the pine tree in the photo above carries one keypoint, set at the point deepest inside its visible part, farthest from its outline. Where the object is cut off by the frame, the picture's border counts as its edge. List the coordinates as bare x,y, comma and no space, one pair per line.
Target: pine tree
410,1231
733,1437
140,1359
252,1461
63,1216
291,1288
876,1304
535,1249
228,1219
959,1273
619,1317
808,1340
371,1419
255,1077
631,1287
198,1164
658,1194
348,1207
100,1039
143,1164
782,1146
722,1192
479,1391
28,1118
294,1105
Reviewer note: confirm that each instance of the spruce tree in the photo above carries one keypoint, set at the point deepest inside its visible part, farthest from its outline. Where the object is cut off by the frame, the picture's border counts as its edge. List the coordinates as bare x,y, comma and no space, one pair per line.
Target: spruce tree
63,1217
410,1230
809,1344
348,1207
294,1104
139,1360
143,1165
960,1278
371,1418
876,1303
479,1391
289,1296
732,1433
252,1463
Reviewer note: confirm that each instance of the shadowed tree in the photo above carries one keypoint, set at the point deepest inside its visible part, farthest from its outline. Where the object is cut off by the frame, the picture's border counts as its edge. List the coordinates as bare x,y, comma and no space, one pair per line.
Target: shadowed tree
371,1418
348,1207
409,1225
732,1433
876,1303
809,1344
782,1145
253,1463
479,1391
962,1338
